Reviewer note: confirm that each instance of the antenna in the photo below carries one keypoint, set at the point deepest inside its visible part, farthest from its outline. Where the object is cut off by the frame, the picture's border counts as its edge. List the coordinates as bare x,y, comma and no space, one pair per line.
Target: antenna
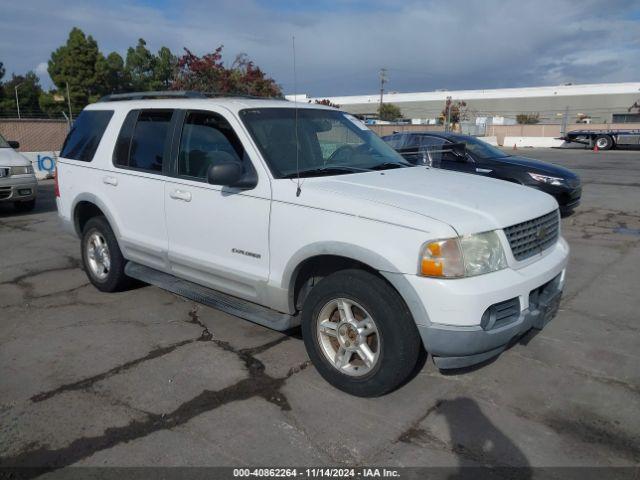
295,106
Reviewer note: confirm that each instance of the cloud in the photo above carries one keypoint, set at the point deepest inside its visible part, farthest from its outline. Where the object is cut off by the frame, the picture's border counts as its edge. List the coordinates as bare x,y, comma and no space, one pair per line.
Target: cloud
342,45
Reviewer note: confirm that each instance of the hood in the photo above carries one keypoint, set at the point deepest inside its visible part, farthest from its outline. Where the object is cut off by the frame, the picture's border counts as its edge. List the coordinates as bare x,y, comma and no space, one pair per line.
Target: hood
468,203
10,158
536,166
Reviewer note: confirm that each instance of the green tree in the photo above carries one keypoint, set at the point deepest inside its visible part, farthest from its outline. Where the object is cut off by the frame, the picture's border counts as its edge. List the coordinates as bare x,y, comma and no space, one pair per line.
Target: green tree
29,91
112,74
78,63
148,72
165,69
389,112
140,66
528,118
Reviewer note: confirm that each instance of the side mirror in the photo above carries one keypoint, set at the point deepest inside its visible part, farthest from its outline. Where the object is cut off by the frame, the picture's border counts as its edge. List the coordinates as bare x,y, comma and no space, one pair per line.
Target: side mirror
226,171
13,144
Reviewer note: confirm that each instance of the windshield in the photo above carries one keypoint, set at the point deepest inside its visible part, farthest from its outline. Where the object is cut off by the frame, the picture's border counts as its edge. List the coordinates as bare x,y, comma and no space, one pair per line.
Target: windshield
479,148
3,142
329,142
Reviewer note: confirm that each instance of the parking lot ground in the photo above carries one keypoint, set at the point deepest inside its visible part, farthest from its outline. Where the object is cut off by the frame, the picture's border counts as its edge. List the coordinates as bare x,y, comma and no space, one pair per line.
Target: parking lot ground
145,377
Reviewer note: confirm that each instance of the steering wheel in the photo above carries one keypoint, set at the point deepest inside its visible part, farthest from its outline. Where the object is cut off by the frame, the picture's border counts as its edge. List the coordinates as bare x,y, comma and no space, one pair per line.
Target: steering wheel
342,154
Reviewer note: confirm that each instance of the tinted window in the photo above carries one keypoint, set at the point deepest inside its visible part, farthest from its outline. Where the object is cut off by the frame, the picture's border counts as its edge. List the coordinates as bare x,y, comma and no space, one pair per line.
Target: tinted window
84,137
123,144
149,139
432,150
478,147
204,136
428,141
393,140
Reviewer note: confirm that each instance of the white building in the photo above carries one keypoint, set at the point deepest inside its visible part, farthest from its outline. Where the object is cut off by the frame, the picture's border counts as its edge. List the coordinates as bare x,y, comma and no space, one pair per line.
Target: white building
601,103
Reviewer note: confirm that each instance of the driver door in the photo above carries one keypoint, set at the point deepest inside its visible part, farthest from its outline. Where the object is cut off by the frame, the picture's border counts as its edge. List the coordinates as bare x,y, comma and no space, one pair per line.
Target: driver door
218,236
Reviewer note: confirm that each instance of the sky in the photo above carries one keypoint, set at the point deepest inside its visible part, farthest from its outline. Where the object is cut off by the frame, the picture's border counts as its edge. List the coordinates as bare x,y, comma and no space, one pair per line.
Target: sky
342,44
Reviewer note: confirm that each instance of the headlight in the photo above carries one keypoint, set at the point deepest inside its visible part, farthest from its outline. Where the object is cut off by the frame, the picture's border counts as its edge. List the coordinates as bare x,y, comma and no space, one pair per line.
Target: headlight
557,181
465,256
21,170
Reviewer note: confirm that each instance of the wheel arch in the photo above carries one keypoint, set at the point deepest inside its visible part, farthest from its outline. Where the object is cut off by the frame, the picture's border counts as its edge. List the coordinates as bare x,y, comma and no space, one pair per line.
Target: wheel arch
86,206
316,261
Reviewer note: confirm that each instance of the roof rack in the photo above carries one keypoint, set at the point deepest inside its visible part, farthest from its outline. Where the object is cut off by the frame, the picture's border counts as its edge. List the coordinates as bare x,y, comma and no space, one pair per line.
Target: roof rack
176,94
145,95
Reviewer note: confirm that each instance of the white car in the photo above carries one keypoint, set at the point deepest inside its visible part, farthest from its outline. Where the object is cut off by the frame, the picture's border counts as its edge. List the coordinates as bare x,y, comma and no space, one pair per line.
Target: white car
293,214
18,183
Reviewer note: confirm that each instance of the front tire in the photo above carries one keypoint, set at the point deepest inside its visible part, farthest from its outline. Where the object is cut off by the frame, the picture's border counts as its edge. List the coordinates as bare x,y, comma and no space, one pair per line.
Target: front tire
359,333
101,256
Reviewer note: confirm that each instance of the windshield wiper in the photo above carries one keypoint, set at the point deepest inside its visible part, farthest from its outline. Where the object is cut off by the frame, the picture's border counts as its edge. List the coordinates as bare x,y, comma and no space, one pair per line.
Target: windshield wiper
332,170
388,165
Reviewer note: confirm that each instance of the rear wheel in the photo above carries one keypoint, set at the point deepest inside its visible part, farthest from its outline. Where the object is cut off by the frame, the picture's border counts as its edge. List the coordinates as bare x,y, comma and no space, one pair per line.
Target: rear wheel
604,142
359,333
102,258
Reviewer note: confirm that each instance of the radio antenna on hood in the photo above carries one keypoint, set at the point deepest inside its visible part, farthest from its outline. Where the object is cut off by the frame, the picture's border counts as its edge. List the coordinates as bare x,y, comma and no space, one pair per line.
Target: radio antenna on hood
295,106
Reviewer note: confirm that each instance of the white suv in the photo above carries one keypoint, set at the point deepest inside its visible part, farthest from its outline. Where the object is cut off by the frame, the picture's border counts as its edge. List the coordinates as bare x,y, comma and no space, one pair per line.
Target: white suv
292,214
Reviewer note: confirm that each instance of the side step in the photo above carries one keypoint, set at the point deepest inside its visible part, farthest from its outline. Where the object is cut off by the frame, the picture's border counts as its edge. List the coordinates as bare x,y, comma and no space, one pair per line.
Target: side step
212,298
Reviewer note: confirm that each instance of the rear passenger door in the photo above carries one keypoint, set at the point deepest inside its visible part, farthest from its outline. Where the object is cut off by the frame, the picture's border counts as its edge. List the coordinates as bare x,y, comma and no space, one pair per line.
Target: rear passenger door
218,236
136,185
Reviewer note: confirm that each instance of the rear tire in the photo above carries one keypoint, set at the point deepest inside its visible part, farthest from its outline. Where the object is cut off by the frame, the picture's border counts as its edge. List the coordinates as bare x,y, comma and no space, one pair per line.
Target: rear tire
360,334
101,256
27,206
604,142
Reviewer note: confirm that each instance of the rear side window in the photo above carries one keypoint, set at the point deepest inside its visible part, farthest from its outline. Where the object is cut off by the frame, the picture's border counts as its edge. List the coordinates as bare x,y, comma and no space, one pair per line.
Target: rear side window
85,135
143,140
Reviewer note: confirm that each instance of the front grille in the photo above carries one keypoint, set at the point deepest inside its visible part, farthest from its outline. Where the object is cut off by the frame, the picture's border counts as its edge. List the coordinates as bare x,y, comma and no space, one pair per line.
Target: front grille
500,314
533,236
5,192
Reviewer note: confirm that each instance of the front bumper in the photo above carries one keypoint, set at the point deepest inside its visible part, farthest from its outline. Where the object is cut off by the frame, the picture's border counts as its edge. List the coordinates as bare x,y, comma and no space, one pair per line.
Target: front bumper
457,347
18,188
449,314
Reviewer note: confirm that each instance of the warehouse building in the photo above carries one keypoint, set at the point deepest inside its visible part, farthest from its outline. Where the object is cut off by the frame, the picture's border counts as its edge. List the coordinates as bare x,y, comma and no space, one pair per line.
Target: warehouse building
597,103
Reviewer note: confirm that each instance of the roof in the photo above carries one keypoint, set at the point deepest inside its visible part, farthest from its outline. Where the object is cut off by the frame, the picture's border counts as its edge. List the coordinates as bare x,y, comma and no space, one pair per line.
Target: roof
192,100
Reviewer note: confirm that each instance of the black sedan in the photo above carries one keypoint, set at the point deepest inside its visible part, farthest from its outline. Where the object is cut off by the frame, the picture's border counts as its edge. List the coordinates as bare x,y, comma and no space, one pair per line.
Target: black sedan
463,153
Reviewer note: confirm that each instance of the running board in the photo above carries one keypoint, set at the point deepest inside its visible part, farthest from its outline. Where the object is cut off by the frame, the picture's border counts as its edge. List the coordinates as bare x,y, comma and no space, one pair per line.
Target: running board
212,298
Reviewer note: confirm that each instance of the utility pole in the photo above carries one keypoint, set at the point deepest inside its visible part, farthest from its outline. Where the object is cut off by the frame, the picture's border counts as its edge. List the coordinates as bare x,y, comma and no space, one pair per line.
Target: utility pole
448,103
17,100
69,103
383,80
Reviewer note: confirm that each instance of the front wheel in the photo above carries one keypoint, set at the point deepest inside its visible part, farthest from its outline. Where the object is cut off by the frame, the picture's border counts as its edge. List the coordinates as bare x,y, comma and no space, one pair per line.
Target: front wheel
359,333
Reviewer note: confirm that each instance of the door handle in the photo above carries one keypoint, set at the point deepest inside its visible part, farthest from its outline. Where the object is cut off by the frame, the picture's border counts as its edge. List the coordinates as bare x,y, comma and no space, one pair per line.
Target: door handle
110,181
181,195
484,170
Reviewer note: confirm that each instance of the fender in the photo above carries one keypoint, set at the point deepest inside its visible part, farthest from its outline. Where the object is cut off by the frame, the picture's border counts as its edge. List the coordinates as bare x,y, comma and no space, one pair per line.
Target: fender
90,197
338,249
